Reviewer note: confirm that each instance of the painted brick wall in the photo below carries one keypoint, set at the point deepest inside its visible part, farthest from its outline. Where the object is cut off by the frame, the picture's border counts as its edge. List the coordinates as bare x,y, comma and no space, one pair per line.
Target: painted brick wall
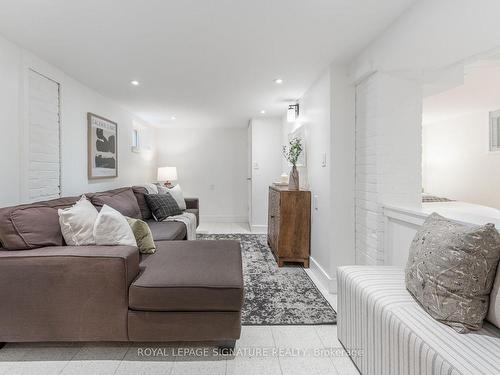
388,156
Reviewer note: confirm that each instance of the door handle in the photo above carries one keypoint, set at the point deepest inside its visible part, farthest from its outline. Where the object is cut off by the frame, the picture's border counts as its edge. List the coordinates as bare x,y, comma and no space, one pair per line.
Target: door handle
249,178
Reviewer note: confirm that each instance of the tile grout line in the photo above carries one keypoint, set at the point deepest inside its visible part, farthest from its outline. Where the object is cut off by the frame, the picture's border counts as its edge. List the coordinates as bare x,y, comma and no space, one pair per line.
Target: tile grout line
67,363
276,346
330,359
121,360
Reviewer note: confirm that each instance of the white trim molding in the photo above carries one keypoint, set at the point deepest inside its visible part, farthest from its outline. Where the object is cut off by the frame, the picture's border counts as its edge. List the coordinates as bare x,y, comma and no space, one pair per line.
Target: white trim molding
259,229
326,281
223,219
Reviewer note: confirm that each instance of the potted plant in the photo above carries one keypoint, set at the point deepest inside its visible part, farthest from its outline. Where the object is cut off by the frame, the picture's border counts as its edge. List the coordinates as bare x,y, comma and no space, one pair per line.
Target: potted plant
291,154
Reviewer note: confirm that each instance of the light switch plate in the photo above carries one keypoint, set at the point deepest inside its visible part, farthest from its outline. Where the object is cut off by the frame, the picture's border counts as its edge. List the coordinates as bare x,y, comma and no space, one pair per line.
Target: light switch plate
323,159
315,202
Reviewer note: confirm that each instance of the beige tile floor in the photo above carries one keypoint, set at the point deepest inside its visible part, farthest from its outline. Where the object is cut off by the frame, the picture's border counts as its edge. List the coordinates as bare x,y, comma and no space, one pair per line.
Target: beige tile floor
262,350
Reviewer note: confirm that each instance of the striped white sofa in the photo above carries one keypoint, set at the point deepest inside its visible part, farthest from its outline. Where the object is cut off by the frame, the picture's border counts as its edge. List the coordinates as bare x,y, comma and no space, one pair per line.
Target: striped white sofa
389,333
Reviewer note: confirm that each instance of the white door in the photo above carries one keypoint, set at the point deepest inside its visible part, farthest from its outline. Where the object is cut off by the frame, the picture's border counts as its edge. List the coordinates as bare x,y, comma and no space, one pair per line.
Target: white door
44,146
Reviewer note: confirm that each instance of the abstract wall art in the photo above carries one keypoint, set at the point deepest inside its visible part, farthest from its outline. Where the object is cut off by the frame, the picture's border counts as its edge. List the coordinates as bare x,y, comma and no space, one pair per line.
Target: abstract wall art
102,147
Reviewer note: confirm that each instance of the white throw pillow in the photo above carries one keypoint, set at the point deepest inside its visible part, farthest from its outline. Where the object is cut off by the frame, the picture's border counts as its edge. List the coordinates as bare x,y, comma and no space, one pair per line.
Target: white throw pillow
176,193
494,311
151,188
77,223
112,228
162,189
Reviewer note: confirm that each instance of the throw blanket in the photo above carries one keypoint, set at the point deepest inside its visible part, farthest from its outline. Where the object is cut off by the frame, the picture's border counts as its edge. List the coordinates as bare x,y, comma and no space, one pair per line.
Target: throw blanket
190,220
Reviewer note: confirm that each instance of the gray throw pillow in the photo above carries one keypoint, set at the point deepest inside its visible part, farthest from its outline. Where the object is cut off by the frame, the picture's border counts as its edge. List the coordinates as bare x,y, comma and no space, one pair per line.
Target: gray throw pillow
162,206
450,271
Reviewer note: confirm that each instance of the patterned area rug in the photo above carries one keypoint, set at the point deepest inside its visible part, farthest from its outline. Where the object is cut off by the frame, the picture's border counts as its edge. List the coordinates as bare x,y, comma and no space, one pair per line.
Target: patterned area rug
273,295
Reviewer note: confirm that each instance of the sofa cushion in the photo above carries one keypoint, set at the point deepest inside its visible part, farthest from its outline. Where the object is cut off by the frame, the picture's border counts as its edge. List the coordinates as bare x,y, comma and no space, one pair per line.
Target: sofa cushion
176,193
143,235
111,228
77,223
162,206
450,270
123,200
190,276
167,230
31,226
139,192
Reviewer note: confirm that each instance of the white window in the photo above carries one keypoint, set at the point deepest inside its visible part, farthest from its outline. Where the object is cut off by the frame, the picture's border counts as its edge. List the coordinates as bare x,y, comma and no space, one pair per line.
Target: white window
495,131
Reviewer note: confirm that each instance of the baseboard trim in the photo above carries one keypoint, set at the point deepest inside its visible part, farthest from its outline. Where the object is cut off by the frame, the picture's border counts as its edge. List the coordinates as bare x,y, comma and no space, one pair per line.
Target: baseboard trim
327,282
258,228
223,219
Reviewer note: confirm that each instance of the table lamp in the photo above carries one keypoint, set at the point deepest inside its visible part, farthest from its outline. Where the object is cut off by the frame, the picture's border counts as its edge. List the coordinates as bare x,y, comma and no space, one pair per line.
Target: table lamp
167,175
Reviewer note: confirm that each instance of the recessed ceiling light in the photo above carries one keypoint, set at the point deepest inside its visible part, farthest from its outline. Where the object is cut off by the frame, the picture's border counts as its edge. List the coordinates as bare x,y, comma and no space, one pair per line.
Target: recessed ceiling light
173,118
263,111
279,81
134,83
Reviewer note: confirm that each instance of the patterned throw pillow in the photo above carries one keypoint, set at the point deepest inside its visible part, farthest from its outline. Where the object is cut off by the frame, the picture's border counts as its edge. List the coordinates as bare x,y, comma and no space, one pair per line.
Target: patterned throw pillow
162,206
143,236
450,271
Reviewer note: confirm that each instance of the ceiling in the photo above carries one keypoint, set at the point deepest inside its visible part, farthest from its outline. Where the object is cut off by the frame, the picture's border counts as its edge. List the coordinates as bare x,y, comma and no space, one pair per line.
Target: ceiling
206,62
478,92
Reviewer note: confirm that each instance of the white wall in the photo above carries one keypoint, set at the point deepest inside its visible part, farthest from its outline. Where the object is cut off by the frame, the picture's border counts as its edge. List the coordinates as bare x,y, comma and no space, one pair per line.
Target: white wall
212,166
315,117
430,36
10,58
431,41
76,101
342,171
266,136
427,42
388,157
457,163
327,113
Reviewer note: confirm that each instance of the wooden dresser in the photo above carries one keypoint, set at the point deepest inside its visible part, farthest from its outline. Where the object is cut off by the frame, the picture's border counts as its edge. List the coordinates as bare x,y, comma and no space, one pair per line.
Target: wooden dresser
289,225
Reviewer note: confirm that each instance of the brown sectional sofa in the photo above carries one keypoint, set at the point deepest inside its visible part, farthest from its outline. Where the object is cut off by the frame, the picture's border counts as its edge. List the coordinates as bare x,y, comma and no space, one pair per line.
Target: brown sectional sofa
186,291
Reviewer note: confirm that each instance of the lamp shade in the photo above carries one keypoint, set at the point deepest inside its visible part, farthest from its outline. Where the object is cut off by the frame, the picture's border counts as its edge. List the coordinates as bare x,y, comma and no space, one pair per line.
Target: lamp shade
167,174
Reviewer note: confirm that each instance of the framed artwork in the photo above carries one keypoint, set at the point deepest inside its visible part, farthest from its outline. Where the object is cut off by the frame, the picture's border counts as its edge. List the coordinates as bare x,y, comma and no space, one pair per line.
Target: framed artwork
102,147
300,133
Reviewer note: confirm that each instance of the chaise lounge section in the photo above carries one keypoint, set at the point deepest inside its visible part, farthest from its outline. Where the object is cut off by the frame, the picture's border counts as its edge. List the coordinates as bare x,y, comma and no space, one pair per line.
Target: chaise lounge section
186,291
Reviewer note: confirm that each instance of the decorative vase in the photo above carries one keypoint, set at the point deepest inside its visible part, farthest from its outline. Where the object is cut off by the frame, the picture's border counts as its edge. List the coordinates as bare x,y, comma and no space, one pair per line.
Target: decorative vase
293,182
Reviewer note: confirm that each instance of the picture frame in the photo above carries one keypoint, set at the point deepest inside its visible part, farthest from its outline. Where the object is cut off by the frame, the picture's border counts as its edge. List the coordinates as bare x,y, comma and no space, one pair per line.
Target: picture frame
102,152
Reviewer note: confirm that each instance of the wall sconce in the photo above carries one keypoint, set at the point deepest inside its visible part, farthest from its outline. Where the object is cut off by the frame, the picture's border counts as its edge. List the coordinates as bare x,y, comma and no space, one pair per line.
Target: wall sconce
135,141
292,113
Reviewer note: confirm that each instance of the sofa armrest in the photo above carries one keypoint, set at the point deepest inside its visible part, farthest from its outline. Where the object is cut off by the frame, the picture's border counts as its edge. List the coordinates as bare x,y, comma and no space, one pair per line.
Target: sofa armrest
66,293
192,203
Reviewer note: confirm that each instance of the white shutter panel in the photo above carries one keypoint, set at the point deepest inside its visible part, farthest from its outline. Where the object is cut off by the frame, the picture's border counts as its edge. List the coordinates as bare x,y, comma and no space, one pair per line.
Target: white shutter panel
44,161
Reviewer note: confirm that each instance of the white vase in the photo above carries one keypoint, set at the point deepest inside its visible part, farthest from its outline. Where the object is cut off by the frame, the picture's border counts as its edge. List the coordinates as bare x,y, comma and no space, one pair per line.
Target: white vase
293,182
